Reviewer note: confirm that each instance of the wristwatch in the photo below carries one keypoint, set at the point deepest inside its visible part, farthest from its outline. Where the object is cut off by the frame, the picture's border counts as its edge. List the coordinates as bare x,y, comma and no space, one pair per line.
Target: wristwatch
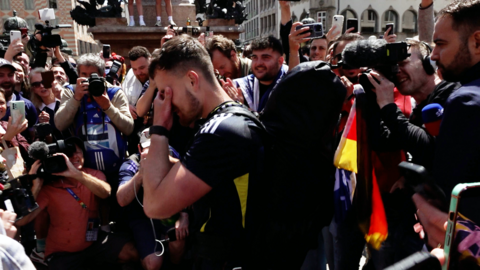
159,130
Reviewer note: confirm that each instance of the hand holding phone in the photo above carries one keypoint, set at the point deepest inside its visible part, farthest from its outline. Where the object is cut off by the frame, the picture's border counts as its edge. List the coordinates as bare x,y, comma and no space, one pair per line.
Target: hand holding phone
352,22
17,109
14,35
390,26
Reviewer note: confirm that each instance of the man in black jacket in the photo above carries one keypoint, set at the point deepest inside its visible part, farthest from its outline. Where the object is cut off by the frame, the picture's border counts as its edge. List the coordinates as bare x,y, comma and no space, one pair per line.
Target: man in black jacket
413,79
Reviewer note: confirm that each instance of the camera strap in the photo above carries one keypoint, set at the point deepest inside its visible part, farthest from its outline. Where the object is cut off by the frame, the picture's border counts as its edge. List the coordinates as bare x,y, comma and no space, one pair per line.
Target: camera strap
82,204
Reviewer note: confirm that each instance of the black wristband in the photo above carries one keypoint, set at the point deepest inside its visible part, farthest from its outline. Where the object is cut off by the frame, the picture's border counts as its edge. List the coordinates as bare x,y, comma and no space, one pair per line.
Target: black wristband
159,130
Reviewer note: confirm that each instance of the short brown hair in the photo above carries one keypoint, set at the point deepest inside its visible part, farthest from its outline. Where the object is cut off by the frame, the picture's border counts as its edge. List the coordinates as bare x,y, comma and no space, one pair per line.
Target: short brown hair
464,14
181,54
137,52
222,44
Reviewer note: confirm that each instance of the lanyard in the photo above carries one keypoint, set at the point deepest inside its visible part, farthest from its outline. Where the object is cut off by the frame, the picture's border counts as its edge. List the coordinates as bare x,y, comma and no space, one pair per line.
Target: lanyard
76,198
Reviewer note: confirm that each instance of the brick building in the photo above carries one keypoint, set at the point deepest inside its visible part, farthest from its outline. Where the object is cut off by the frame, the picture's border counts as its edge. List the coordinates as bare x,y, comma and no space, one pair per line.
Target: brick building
77,37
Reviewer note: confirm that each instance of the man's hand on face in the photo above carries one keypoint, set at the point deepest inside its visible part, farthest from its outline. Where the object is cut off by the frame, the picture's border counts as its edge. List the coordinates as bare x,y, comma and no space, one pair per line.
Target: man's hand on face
383,88
162,108
103,101
81,89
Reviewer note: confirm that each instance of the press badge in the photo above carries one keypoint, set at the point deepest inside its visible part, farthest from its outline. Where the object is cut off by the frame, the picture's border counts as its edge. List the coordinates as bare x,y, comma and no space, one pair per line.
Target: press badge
92,229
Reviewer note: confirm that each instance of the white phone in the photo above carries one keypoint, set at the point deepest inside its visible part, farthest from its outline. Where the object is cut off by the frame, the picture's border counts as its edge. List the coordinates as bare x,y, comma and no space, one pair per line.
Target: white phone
338,22
17,111
14,34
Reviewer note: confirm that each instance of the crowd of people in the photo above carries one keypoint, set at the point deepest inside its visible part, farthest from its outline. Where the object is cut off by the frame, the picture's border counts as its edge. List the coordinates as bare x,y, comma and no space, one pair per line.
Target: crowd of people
178,162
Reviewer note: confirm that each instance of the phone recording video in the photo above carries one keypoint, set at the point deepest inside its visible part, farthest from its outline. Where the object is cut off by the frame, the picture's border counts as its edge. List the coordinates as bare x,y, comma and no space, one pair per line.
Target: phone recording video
462,240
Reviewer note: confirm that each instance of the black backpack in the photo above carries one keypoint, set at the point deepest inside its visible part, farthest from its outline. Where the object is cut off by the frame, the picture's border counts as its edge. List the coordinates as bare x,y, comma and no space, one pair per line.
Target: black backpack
298,173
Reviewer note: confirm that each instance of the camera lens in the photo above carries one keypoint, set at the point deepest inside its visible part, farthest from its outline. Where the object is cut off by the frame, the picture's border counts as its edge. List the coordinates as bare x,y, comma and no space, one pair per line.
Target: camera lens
96,85
318,28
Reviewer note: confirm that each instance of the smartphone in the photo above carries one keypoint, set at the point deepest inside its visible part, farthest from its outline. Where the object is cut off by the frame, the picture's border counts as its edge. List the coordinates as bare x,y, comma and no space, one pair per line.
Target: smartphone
17,110
392,28
462,238
106,51
47,79
352,22
338,22
315,30
14,34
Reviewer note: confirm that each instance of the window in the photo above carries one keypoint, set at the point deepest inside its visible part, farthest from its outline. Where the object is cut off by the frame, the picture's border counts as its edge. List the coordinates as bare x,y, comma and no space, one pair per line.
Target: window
5,4
31,23
372,16
52,4
390,16
322,17
29,5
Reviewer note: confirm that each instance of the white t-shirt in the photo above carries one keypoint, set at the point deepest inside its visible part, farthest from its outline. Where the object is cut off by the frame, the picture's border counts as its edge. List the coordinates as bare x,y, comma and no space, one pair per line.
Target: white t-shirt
132,87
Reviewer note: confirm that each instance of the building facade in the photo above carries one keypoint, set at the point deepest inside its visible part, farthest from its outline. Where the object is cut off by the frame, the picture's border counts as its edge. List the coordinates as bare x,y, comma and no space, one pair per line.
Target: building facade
372,15
77,37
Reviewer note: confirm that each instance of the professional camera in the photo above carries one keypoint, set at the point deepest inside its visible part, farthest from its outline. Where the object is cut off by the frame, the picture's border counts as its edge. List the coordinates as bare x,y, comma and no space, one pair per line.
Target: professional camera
315,30
48,39
50,163
112,74
378,54
15,194
96,85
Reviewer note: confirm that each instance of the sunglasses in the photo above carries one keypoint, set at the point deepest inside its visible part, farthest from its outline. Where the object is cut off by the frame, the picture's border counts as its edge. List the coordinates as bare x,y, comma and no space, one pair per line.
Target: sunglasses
36,84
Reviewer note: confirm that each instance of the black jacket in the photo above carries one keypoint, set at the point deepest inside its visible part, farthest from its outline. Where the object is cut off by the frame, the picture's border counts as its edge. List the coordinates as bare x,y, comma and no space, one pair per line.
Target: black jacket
400,133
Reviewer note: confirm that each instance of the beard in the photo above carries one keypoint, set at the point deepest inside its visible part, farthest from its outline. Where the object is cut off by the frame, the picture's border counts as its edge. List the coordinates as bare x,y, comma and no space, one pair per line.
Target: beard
269,75
453,72
7,86
188,118
60,80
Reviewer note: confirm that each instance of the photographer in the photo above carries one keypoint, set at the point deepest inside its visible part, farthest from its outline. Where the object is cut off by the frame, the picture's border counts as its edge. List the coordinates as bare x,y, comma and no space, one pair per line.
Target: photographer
107,114
418,80
74,239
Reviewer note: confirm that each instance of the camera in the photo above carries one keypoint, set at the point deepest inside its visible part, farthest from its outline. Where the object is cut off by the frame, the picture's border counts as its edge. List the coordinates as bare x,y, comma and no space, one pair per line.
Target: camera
16,196
49,40
315,30
379,55
96,85
112,74
50,163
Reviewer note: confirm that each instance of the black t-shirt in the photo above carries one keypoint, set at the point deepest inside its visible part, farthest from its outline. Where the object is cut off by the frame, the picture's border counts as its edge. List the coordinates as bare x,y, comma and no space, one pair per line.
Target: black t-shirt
223,154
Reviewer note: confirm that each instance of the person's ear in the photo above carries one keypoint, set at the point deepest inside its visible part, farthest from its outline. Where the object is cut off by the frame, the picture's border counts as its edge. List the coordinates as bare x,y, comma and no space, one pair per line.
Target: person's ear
475,39
193,78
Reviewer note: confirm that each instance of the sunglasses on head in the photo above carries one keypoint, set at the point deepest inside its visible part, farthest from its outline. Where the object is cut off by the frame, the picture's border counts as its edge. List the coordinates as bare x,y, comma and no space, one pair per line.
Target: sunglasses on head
36,84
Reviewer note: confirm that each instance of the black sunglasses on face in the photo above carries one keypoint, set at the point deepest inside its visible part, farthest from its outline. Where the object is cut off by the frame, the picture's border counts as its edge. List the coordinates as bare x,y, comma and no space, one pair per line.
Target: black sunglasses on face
36,84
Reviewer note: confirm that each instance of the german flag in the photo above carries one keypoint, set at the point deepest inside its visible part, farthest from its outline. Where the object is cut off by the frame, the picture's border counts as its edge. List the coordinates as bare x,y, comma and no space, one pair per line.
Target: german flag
355,155
367,200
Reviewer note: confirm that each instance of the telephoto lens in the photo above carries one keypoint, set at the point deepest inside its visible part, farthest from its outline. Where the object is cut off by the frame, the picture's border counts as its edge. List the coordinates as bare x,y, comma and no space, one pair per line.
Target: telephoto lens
96,85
